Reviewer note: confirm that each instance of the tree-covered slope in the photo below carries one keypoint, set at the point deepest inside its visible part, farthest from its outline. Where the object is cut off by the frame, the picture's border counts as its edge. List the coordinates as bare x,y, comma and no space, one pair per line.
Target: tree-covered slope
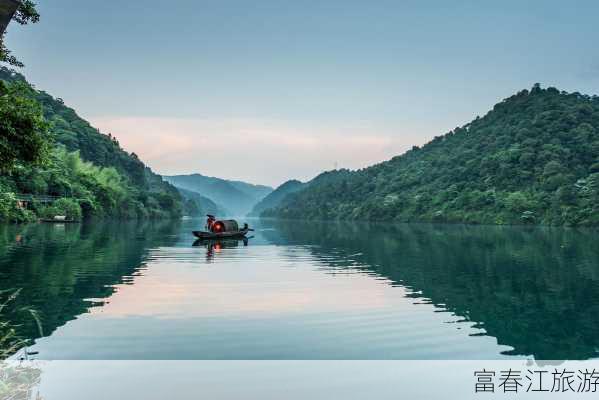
76,134
274,198
205,205
236,197
88,168
534,158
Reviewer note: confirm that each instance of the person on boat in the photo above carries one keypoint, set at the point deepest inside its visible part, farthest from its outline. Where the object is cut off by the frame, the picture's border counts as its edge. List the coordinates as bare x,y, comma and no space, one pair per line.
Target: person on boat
210,222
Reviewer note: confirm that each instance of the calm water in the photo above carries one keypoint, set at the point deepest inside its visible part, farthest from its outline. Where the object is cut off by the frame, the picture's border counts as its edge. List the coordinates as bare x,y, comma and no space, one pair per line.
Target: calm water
305,291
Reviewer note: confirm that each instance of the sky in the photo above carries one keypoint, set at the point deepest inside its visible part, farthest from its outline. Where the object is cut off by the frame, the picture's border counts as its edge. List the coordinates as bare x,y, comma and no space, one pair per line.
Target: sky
267,91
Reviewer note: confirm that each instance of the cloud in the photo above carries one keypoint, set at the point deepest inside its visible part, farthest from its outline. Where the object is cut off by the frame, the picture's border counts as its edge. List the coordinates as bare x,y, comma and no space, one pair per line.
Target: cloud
259,151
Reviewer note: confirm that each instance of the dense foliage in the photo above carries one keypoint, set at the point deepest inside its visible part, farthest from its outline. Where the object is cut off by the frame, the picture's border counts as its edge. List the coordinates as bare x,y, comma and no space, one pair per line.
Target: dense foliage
85,167
533,159
23,130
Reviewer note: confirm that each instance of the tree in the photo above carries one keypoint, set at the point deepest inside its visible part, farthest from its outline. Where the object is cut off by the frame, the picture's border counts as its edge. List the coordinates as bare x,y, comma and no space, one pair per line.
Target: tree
24,133
68,207
26,13
529,160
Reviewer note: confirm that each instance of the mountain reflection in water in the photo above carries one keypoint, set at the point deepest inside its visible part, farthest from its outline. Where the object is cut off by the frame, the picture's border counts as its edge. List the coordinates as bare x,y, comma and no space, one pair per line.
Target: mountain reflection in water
533,289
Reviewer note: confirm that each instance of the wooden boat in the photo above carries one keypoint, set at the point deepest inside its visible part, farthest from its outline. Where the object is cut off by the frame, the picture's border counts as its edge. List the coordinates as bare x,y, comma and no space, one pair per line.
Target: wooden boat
203,235
223,229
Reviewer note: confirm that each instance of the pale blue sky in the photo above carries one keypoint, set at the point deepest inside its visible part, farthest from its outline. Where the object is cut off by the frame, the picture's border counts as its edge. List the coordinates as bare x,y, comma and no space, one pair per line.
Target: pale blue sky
289,88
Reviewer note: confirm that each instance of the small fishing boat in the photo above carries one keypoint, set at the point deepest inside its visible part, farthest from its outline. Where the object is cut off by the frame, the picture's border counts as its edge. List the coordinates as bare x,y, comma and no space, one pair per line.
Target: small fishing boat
224,229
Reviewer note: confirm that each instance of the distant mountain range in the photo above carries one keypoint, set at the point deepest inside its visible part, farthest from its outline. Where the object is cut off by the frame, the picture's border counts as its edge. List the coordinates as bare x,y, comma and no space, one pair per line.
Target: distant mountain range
205,205
274,198
234,198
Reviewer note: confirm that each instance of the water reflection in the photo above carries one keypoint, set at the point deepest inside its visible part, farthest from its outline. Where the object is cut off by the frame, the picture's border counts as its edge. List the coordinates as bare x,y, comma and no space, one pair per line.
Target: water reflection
216,246
63,270
534,289
305,290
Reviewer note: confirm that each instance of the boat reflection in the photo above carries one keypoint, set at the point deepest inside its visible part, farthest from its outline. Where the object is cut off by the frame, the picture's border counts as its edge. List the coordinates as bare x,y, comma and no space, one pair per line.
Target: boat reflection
216,246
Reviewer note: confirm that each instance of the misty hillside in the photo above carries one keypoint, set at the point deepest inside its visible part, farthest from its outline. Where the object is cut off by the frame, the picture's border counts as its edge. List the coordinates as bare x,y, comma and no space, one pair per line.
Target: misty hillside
254,191
274,198
205,205
534,158
235,197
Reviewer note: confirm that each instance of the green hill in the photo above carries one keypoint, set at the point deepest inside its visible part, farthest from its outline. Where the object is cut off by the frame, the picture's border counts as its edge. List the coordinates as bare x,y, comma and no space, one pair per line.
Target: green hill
534,158
236,197
275,198
89,169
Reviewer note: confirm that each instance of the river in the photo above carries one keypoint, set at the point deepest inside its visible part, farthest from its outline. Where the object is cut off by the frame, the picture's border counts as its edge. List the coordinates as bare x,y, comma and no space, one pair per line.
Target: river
303,290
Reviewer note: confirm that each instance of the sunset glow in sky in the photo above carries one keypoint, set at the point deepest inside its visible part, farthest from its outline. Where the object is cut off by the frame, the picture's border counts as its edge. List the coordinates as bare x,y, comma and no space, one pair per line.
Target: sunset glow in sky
273,90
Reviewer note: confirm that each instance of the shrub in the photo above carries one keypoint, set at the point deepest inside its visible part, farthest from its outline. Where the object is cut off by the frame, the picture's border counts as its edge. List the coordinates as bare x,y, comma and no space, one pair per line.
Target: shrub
65,206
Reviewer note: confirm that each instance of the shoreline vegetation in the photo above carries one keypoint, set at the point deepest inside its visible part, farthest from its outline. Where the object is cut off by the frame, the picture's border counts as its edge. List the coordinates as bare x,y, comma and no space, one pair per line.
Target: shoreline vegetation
532,159
52,152
55,165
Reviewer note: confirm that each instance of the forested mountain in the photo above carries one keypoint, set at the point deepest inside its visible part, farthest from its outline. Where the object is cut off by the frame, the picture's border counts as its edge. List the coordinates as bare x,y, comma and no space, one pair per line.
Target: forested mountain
90,170
236,197
275,198
534,158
